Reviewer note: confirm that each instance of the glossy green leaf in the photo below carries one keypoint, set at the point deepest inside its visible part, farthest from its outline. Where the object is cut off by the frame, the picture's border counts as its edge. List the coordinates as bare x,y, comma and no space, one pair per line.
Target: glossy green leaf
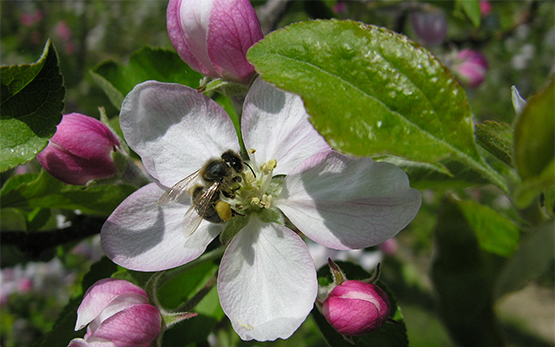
495,233
44,191
145,64
534,145
532,259
496,138
390,335
370,91
32,100
463,276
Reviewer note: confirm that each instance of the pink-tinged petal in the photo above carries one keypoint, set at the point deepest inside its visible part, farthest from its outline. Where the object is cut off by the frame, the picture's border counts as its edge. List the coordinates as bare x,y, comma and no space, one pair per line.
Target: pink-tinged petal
101,294
347,203
136,326
96,343
275,124
78,343
175,129
187,22
356,308
120,303
80,151
233,28
141,236
266,282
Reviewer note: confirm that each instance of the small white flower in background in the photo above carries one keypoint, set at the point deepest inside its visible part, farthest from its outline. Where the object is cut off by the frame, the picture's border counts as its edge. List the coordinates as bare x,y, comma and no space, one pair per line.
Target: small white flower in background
267,280
368,260
49,279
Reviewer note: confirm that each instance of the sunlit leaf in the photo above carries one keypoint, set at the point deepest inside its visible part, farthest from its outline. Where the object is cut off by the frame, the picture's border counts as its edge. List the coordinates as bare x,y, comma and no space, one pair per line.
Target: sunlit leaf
370,91
32,100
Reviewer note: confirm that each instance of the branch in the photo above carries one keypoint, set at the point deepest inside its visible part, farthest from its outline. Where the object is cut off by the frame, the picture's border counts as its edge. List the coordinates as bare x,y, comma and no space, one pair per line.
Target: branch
34,243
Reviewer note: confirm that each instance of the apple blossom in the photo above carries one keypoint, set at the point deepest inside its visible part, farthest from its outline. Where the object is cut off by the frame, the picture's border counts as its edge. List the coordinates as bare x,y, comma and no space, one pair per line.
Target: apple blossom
80,151
355,308
118,314
267,280
213,36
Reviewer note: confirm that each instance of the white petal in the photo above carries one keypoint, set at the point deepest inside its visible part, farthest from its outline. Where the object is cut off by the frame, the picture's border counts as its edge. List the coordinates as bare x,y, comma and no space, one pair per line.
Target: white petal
267,282
348,203
142,236
175,129
275,123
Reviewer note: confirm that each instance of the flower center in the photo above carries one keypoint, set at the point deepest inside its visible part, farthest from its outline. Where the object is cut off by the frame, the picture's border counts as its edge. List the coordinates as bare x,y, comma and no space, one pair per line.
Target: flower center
257,188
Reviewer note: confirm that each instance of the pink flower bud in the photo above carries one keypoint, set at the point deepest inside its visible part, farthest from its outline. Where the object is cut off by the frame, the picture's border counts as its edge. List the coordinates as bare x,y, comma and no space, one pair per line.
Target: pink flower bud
356,308
430,26
470,67
118,314
213,36
80,151
485,7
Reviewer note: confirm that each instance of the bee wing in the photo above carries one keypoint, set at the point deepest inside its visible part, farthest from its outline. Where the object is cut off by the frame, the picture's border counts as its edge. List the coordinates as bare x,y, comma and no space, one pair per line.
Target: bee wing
197,211
177,189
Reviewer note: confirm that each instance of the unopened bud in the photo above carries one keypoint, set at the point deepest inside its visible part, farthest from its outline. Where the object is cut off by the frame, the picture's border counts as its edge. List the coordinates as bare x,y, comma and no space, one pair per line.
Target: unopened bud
117,313
470,67
213,36
356,308
80,151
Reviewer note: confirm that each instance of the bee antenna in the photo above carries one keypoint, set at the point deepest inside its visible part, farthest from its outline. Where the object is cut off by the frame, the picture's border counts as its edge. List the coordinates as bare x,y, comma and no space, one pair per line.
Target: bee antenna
250,169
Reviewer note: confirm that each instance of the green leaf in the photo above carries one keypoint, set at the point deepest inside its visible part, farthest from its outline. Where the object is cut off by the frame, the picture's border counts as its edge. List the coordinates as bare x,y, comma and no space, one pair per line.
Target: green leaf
463,276
44,191
63,330
495,233
144,64
393,335
450,175
370,91
535,133
197,328
32,101
184,285
496,138
534,146
472,10
532,259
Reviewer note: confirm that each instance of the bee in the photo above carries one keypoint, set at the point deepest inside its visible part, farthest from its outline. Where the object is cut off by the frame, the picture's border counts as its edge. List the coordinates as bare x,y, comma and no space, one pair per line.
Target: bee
219,176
